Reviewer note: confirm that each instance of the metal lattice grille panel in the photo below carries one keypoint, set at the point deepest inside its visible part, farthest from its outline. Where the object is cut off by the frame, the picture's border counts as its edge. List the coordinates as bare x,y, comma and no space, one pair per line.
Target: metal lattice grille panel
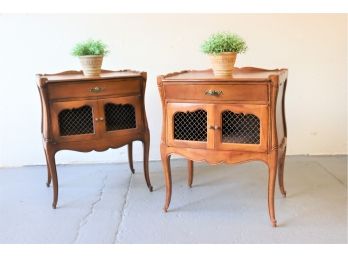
76,121
118,116
190,126
240,128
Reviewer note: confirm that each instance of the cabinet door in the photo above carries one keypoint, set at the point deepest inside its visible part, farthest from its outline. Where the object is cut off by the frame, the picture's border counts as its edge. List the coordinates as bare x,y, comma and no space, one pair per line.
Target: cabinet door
120,116
241,127
74,120
187,125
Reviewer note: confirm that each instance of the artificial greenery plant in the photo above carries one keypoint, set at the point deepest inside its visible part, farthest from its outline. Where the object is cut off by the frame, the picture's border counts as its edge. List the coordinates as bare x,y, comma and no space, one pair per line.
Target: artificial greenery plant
224,42
90,47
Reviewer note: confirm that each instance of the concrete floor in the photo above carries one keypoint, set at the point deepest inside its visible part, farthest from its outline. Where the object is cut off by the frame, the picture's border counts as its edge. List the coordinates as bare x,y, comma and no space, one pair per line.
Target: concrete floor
104,203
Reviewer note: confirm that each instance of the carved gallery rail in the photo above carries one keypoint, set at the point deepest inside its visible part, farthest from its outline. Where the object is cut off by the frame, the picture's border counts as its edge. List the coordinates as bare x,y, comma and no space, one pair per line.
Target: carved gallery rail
225,120
92,113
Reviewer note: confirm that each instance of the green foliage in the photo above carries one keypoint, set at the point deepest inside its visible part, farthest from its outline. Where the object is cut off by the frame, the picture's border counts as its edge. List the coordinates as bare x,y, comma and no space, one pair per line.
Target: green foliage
224,42
90,47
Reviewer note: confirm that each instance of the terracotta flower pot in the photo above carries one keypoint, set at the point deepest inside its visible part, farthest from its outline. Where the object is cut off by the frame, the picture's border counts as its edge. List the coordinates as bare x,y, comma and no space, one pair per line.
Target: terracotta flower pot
223,63
91,64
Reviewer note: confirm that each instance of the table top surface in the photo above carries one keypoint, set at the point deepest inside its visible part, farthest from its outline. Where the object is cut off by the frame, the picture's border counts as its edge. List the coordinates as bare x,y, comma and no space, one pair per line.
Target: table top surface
239,74
78,75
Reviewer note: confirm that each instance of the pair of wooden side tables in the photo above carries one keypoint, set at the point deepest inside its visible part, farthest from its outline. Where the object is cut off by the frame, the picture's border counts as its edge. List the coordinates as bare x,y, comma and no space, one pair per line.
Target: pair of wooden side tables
205,118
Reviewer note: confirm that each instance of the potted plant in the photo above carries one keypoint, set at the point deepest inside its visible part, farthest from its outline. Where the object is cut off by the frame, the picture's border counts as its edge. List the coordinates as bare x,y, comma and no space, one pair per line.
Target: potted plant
222,49
90,53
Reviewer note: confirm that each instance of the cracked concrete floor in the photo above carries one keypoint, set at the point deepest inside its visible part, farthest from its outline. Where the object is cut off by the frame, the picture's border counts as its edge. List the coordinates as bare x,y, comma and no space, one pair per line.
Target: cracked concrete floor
104,203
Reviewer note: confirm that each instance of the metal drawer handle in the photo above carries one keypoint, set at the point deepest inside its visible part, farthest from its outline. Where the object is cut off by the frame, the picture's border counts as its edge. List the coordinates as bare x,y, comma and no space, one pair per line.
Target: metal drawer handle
214,92
96,89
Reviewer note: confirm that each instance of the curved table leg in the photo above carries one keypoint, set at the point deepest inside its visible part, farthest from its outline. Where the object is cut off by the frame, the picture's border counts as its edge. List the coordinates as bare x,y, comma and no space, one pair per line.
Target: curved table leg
130,156
272,168
168,178
281,174
146,146
53,169
48,170
190,172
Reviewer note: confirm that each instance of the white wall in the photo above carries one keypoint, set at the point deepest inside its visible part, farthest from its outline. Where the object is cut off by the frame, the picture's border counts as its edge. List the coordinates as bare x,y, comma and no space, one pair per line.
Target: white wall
313,47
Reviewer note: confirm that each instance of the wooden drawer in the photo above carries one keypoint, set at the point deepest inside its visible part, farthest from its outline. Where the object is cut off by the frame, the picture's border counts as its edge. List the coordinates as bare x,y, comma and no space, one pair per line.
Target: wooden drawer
63,90
227,92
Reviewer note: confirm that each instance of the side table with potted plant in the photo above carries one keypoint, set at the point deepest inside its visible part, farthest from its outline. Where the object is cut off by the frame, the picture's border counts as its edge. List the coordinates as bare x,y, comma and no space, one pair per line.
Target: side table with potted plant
225,117
93,110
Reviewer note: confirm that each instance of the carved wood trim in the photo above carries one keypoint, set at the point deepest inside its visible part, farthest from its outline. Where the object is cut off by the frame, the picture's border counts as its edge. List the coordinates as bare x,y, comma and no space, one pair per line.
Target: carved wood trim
283,71
216,157
42,79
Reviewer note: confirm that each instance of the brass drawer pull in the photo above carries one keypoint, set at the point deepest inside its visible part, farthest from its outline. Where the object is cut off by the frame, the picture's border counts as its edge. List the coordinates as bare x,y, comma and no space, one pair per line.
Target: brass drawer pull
96,89
214,92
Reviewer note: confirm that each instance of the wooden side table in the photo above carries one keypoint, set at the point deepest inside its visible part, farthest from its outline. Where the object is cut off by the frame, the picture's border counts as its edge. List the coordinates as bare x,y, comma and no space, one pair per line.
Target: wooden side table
92,113
225,120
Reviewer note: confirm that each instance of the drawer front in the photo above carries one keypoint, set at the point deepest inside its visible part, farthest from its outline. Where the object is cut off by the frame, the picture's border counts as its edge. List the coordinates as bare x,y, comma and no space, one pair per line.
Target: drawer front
94,89
218,92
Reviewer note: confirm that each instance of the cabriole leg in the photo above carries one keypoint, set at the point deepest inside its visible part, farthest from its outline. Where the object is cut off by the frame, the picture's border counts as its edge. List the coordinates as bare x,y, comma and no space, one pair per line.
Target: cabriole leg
281,174
272,174
168,178
48,170
190,172
146,146
52,167
130,156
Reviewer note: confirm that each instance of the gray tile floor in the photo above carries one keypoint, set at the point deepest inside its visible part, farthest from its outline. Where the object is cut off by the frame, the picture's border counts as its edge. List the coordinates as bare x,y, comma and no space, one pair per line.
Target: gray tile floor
104,203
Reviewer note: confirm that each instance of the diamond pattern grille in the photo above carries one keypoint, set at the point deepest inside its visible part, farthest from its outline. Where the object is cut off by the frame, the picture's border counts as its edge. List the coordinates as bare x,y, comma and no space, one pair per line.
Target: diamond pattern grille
118,116
240,128
191,126
76,121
